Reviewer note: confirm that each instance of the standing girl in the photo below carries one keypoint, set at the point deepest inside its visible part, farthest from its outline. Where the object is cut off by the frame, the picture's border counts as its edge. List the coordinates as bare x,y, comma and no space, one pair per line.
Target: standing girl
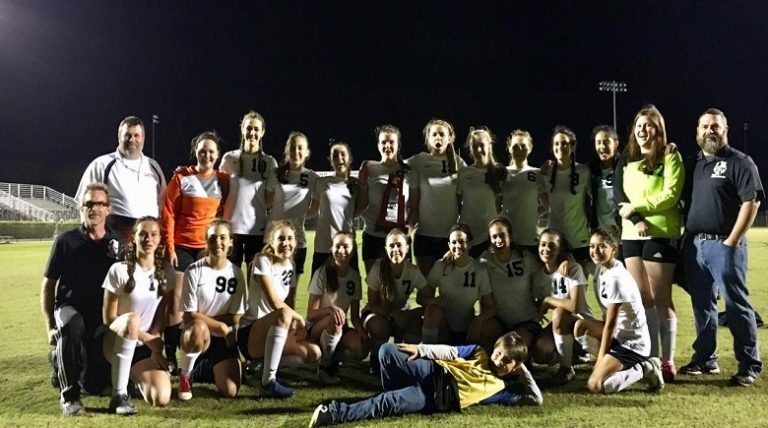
647,188
334,290
293,194
435,195
567,300
478,188
620,342
134,302
252,173
193,199
212,299
384,197
271,328
603,212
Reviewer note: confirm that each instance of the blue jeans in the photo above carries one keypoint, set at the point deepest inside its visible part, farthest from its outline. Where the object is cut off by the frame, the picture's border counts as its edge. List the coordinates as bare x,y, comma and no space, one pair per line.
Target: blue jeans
404,382
713,266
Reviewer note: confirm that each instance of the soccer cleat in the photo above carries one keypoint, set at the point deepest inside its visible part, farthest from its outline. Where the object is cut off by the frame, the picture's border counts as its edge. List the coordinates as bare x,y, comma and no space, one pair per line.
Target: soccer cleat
121,405
652,374
669,371
321,417
327,375
695,369
185,387
743,379
563,376
72,408
275,390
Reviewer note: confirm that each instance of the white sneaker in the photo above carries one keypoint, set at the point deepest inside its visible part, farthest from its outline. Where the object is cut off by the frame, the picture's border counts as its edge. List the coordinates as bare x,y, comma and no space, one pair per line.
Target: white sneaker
652,374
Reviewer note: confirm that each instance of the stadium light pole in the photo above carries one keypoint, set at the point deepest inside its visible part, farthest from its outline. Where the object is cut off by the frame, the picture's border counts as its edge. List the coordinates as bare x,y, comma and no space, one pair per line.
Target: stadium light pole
613,87
155,121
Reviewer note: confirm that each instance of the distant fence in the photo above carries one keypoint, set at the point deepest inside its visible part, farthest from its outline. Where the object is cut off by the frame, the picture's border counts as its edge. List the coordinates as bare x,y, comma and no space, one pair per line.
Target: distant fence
36,203
34,230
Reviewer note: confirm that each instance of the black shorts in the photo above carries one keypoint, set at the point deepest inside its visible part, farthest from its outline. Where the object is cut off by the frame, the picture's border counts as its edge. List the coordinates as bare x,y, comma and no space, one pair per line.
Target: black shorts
627,357
659,250
243,333
299,258
245,248
217,352
186,256
319,259
373,247
530,326
581,255
477,250
140,353
429,246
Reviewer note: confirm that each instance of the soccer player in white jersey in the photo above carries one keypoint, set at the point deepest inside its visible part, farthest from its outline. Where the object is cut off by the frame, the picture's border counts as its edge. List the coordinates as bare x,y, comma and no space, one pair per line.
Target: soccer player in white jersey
136,293
334,206
384,200
391,281
478,188
524,196
213,300
334,290
435,207
567,300
252,173
569,183
621,341
511,270
603,212
271,328
460,281
294,192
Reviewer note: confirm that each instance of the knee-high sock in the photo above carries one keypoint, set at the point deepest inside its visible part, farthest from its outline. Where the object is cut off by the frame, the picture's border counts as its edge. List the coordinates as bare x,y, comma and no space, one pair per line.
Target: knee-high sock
172,338
375,344
652,319
273,352
429,335
328,344
187,362
564,345
668,333
620,381
122,354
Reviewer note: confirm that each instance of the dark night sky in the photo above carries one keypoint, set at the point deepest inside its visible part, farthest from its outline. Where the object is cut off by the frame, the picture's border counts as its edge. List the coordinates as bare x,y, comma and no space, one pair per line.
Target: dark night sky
71,70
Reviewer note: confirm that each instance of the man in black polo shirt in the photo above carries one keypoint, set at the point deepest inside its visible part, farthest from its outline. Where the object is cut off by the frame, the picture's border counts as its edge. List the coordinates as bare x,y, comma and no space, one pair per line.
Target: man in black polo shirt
72,296
723,187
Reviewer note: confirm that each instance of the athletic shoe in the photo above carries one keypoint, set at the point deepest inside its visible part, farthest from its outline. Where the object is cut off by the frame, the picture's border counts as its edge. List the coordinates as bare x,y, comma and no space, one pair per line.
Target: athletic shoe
72,408
695,369
563,375
185,387
253,367
121,405
327,375
743,379
652,374
274,390
322,416
669,371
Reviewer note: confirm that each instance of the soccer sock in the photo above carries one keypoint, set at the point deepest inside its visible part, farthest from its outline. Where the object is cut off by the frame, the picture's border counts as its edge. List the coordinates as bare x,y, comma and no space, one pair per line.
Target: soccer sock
187,362
620,381
584,342
668,333
273,352
328,343
122,354
429,335
564,345
652,319
172,338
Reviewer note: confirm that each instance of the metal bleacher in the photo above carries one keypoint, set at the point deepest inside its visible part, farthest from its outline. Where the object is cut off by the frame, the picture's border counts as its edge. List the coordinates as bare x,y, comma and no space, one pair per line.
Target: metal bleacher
31,202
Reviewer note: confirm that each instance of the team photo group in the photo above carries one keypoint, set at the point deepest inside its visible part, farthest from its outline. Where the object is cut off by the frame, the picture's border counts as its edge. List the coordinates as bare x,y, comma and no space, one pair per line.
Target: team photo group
195,278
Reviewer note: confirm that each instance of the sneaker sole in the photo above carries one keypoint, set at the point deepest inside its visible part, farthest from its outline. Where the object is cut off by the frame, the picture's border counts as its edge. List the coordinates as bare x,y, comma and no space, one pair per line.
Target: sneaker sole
185,396
315,415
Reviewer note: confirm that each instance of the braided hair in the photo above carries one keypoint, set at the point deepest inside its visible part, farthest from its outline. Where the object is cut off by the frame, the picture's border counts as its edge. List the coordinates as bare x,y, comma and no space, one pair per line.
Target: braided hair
131,257
573,176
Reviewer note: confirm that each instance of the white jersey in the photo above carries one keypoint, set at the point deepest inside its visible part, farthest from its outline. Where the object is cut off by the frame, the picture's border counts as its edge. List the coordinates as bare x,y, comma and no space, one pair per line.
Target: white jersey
349,289
514,286
377,179
438,209
616,285
335,213
144,299
283,279
213,292
561,286
520,194
567,212
606,208
478,202
136,186
250,176
292,200
460,288
410,279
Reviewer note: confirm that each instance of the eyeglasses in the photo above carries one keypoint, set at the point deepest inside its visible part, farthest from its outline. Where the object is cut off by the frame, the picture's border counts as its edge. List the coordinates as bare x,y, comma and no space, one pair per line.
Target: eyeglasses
91,204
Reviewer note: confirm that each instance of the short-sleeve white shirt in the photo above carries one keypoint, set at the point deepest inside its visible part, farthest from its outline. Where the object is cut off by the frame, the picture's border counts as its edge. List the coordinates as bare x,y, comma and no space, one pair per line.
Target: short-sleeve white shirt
478,202
514,286
438,209
251,175
292,199
410,279
213,292
460,288
144,299
377,180
335,212
349,289
520,194
616,285
560,287
567,212
283,279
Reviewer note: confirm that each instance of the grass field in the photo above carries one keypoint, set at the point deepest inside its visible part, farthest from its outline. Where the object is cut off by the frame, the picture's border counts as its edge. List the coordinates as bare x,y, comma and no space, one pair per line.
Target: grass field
27,399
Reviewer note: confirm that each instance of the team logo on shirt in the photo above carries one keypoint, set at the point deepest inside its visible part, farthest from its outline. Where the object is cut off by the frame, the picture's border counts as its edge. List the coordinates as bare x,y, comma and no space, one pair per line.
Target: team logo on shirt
113,248
719,170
